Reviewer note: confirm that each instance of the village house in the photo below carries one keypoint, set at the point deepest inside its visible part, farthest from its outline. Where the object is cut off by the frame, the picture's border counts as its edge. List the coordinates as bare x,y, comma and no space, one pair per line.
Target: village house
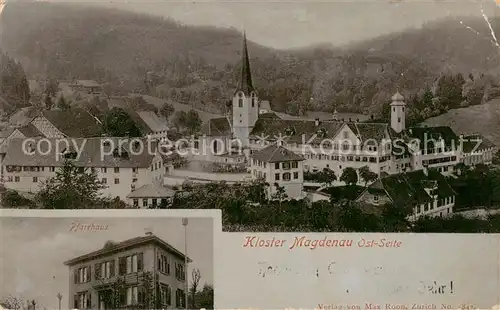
476,149
86,87
279,167
425,192
92,275
122,169
151,125
151,196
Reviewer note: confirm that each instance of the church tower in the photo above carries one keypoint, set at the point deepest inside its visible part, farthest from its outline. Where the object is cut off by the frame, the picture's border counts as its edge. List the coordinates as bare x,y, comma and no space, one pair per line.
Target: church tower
245,101
398,112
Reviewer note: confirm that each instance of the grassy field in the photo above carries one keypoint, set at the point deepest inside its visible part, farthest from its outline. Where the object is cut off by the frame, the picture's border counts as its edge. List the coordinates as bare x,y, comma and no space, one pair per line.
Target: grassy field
483,119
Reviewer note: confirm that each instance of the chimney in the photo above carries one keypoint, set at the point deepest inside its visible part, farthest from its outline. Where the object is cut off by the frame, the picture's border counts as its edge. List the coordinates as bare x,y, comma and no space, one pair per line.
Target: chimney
316,121
350,119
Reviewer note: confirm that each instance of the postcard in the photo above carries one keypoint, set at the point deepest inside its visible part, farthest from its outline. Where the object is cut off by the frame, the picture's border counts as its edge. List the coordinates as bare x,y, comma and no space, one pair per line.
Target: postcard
107,260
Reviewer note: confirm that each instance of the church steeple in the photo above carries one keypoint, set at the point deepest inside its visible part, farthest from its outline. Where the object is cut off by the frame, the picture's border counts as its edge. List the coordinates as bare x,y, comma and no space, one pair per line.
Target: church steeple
245,85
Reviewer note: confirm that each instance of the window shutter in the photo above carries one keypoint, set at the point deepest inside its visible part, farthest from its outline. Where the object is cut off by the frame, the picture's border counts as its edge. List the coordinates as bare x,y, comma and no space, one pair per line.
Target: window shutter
89,273
89,300
140,262
75,301
97,271
122,266
112,267
169,295
75,273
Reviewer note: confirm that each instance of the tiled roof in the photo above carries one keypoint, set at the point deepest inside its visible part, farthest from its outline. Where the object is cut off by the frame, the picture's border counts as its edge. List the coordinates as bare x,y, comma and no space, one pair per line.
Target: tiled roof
93,153
74,123
30,131
152,191
269,115
85,83
294,130
154,122
470,143
121,246
434,133
409,188
217,127
274,153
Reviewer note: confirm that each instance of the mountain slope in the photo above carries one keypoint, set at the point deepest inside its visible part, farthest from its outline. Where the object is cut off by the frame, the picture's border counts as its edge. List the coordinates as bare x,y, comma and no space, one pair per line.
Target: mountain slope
199,65
483,119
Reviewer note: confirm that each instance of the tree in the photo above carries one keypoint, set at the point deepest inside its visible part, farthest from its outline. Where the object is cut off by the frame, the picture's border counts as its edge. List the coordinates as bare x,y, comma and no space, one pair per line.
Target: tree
14,303
62,104
367,175
189,121
205,298
71,188
167,110
48,102
51,87
280,193
11,198
349,176
117,123
195,281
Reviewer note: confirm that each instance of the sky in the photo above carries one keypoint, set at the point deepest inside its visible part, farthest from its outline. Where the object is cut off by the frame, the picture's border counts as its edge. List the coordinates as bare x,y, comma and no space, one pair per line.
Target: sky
34,250
299,23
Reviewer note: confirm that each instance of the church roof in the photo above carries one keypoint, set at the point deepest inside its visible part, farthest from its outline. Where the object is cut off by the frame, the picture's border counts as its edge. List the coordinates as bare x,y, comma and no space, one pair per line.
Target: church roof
276,153
295,130
245,84
217,127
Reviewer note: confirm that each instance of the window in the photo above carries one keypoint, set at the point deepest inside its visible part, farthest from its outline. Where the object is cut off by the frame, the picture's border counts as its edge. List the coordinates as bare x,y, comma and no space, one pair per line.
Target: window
240,103
164,264
179,272
136,202
286,176
253,102
35,180
399,119
375,198
165,295
82,300
104,170
277,176
134,180
105,270
17,179
104,180
294,164
132,295
131,264
117,170
295,175
134,170
82,275
286,166
117,181
154,202
276,165
180,299
345,134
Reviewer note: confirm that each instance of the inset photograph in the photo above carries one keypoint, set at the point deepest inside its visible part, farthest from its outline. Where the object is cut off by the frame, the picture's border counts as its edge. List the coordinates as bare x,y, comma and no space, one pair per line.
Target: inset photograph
155,262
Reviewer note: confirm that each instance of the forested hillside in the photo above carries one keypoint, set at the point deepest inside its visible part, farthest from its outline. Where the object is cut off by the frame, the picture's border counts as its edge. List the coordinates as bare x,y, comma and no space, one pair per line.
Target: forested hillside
14,89
443,65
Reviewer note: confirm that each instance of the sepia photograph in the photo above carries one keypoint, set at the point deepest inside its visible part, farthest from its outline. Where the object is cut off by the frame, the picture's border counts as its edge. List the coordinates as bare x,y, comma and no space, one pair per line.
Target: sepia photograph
313,116
66,261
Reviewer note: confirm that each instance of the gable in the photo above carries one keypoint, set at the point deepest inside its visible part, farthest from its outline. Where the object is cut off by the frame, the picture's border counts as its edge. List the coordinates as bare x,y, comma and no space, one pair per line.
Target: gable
346,133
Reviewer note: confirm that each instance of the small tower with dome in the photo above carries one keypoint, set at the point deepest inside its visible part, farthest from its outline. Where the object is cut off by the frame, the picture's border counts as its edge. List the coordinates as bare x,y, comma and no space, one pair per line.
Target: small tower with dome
398,107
